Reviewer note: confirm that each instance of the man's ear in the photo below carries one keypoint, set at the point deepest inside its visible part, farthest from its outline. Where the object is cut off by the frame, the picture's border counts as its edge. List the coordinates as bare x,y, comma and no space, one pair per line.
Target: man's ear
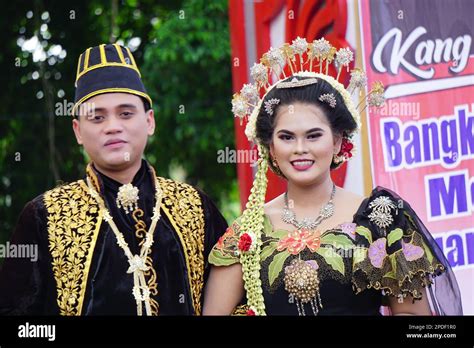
150,120
76,126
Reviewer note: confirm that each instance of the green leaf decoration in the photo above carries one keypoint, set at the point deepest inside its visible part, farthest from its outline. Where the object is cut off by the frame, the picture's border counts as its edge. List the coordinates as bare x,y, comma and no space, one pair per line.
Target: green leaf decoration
393,262
428,253
409,217
268,229
278,234
364,232
333,259
268,250
390,274
360,254
267,225
276,265
340,241
394,235
217,258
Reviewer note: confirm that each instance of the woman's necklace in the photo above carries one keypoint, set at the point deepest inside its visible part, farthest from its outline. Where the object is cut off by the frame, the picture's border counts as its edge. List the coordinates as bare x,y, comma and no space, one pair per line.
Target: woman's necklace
138,267
301,277
326,212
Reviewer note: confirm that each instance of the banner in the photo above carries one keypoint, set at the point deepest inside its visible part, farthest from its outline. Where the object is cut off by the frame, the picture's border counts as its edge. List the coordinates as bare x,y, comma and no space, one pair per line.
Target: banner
422,141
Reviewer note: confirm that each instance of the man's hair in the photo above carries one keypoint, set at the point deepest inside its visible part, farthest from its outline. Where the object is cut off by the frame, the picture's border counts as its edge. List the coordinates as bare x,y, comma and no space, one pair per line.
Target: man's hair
146,104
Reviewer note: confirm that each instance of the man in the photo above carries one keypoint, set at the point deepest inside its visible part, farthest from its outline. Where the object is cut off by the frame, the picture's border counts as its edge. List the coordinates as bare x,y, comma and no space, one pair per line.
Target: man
122,240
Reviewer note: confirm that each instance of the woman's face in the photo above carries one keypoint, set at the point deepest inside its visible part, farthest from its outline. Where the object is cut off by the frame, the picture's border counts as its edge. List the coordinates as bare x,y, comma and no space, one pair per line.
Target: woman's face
303,143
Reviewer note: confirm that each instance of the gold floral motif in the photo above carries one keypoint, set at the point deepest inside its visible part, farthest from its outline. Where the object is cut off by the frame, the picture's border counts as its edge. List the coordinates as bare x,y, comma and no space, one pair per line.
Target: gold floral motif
183,207
140,233
93,177
73,225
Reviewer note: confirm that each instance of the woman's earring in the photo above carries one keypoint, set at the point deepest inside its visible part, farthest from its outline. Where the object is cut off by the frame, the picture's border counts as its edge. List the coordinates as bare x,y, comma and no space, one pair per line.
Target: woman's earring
338,159
276,169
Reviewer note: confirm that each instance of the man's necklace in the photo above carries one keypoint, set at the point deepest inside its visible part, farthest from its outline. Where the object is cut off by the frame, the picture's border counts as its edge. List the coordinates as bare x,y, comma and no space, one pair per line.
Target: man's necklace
137,267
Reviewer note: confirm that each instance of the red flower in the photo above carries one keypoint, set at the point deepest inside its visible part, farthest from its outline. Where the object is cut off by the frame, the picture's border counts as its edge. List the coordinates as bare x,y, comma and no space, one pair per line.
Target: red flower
250,313
245,242
346,148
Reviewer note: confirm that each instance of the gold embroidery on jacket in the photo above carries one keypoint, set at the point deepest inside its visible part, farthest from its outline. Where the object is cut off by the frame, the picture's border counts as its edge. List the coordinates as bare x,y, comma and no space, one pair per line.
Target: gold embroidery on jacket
73,223
183,207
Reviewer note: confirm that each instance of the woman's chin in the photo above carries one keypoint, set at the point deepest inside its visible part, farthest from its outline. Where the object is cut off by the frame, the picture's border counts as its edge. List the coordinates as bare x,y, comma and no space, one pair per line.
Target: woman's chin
303,178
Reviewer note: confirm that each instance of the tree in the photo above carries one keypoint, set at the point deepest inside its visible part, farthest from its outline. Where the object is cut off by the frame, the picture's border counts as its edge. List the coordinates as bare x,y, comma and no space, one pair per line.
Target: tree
187,72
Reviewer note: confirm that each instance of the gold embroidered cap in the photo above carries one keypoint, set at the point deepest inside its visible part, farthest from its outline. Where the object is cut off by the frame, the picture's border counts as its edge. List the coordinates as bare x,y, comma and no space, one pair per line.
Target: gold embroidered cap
107,68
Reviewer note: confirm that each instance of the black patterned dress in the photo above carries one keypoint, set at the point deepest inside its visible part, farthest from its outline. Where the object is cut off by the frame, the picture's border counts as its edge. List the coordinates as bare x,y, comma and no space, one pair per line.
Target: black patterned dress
350,269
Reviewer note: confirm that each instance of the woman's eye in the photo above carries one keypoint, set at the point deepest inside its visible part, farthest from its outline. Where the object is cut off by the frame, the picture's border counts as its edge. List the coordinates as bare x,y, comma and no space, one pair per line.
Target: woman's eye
314,136
286,137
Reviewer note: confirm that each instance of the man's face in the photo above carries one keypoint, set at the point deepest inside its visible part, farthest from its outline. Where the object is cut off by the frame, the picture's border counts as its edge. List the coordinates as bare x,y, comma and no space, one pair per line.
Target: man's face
114,128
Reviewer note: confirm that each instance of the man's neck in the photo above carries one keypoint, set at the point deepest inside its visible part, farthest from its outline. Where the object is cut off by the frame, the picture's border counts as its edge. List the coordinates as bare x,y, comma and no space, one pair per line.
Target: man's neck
123,176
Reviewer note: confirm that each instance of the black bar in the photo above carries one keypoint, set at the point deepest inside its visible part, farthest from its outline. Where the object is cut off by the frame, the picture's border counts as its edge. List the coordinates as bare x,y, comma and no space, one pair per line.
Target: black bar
246,330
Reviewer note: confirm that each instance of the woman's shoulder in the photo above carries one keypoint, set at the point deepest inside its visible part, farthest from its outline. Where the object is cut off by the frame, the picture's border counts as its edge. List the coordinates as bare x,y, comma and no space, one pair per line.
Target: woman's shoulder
274,206
350,200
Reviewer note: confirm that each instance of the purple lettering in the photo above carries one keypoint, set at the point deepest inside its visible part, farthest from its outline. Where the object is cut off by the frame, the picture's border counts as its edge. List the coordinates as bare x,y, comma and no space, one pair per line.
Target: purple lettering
431,141
449,141
412,150
394,149
470,247
455,255
440,194
466,128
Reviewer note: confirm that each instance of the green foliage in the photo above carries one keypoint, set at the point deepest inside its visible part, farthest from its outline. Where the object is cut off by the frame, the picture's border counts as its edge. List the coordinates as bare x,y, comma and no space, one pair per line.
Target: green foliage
187,73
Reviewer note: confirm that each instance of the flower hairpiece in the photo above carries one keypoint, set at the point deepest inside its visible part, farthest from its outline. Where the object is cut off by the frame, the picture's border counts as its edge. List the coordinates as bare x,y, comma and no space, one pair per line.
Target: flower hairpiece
376,96
329,99
269,105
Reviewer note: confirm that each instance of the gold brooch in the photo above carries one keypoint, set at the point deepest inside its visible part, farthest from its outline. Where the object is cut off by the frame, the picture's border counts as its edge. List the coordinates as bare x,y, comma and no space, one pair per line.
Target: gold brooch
302,282
127,198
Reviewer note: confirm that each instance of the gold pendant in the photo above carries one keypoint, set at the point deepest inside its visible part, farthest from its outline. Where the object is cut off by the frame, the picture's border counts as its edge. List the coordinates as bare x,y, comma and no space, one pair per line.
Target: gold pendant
127,198
302,282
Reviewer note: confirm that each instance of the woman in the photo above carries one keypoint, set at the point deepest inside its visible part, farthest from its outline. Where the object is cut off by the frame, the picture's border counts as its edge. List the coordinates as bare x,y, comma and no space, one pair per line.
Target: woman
349,255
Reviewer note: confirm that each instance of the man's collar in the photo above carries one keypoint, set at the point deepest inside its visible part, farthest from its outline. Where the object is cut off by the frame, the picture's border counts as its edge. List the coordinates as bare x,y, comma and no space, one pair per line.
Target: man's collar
96,177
